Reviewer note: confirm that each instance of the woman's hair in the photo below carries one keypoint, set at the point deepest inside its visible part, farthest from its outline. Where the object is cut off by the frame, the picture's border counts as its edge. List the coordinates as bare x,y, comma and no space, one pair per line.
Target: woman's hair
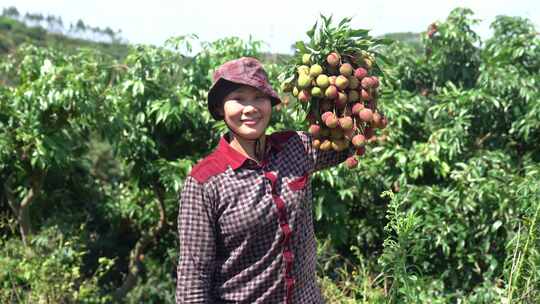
225,89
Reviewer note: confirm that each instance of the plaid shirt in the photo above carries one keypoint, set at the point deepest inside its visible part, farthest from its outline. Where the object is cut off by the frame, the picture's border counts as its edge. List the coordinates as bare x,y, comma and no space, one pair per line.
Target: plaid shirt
246,229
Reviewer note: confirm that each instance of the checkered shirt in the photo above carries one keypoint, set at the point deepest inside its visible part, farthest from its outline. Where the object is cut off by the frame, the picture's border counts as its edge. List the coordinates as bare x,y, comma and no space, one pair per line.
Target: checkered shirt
246,228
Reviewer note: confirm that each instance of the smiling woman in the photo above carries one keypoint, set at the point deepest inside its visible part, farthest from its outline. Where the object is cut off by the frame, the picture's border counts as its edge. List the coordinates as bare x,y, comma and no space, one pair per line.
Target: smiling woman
247,112
245,222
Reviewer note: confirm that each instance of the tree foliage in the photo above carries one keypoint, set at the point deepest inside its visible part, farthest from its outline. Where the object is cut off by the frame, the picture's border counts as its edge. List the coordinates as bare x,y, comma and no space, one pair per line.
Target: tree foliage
94,150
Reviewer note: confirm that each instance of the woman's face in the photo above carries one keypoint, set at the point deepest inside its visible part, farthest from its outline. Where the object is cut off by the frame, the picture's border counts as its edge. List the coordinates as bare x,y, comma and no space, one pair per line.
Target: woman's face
247,111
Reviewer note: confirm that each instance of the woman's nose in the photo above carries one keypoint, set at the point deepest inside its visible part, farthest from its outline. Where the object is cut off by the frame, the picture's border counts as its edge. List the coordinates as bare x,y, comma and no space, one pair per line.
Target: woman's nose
250,109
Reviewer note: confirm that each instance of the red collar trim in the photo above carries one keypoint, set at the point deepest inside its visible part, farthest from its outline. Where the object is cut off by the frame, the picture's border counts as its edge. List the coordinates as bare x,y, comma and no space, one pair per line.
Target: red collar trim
235,159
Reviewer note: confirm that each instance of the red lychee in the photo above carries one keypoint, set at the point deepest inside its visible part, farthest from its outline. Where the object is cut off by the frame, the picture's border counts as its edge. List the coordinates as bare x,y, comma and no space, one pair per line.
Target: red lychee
360,73
357,107
333,59
351,162
358,140
366,115
304,95
315,130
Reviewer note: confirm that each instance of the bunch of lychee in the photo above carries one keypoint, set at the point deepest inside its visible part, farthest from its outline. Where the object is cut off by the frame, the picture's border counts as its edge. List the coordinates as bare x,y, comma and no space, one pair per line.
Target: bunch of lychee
342,93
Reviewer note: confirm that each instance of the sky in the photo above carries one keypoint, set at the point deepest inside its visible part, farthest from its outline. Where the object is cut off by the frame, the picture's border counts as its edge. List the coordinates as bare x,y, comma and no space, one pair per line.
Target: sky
278,23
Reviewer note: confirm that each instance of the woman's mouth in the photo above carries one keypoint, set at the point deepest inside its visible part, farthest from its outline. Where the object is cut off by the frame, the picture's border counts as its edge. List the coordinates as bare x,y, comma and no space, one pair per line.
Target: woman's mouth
250,122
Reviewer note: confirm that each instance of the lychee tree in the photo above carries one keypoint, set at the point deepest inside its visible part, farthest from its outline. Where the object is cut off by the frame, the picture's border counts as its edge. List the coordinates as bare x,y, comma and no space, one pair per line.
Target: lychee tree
47,114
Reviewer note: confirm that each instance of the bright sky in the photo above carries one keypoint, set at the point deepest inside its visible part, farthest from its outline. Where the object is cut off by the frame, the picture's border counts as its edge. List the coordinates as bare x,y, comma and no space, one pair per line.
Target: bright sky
279,23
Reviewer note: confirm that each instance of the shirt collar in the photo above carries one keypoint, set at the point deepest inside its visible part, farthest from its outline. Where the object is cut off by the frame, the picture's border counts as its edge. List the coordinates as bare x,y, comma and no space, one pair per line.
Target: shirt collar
235,159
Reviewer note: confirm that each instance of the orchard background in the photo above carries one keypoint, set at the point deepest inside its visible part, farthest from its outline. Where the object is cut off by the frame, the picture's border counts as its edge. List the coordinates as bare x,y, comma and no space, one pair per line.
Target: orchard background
96,139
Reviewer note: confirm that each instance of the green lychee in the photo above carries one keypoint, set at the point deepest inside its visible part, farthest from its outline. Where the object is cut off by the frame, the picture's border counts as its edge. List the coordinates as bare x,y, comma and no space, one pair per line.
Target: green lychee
303,69
316,92
304,81
306,59
342,82
322,81
315,70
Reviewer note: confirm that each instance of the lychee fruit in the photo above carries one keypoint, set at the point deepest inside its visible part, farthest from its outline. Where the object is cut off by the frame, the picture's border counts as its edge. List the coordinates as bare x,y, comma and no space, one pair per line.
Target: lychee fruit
304,96
377,119
326,145
367,82
303,69
346,69
331,92
384,123
351,162
316,143
331,121
356,108
360,73
315,70
365,96
325,115
306,58
341,101
333,59
339,145
368,63
346,123
342,82
369,132
358,140
322,81
315,130
366,115
304,81
374,82
316,92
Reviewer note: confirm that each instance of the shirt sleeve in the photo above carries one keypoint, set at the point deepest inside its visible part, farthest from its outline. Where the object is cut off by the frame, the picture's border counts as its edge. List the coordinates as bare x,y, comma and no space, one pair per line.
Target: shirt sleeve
197,236
323,159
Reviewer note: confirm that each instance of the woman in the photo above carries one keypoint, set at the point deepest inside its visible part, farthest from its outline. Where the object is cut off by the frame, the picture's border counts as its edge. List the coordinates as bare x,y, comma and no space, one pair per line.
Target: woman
245,221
